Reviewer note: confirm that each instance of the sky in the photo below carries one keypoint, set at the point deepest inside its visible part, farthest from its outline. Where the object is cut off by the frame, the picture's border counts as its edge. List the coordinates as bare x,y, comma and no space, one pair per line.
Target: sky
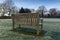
34,4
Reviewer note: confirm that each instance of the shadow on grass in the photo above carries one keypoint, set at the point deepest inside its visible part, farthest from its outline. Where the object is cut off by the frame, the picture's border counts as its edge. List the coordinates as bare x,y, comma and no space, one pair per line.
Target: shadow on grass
29,31
55,35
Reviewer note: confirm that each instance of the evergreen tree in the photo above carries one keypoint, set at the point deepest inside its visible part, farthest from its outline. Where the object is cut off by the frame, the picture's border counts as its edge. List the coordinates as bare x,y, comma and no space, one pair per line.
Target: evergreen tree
21,10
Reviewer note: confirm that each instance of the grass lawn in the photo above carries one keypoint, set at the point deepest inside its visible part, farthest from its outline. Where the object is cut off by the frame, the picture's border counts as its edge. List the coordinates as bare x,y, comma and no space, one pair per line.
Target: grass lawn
52,26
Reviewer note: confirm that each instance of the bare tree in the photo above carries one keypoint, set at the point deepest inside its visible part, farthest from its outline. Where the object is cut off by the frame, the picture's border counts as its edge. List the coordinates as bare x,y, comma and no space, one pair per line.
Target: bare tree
40,9
53,12
8,7
9,4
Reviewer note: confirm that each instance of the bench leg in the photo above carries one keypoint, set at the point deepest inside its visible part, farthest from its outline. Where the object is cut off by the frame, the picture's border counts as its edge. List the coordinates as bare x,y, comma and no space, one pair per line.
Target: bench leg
13,23
41,27
19,26
38,30
41,24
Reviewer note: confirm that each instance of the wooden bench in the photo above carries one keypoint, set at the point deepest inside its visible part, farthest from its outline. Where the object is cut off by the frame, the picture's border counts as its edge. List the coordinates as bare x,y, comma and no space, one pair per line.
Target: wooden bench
29,19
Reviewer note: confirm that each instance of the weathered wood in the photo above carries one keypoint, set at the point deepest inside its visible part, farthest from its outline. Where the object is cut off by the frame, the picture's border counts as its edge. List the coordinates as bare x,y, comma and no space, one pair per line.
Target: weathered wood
13,22
38,26
29,19
41,24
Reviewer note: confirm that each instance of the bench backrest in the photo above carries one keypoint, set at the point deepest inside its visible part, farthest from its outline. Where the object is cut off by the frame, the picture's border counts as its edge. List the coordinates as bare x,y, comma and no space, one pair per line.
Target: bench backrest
29,19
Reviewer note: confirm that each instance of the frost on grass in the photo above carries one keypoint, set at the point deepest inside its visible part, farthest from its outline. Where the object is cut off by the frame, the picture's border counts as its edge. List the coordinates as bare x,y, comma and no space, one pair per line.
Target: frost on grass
6,34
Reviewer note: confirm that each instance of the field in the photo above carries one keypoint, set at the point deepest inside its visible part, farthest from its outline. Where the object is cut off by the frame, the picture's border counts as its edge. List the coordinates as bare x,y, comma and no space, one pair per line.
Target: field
51,25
